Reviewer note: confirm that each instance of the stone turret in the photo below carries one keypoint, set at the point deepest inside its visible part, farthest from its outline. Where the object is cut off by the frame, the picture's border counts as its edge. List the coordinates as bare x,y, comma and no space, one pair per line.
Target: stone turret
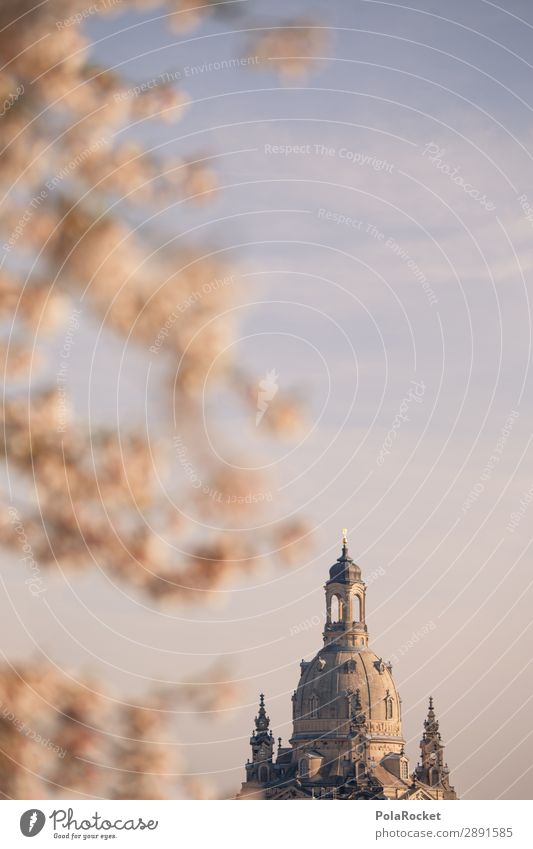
259,769
345,602
432,769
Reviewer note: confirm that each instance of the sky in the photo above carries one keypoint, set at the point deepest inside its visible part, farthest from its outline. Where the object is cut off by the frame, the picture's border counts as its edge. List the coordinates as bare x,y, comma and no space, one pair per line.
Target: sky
377,212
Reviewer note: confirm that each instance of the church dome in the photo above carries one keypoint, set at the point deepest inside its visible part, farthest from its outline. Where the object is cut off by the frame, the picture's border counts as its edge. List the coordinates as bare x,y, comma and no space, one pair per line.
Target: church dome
323,701
347,726
346,686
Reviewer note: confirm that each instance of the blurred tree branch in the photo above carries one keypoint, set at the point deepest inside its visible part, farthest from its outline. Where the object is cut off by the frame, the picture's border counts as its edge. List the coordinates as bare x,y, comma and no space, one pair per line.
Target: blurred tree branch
69,181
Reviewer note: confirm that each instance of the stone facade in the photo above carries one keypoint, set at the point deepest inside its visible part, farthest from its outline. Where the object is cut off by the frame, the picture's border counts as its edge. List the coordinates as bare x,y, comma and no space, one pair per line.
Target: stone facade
347,719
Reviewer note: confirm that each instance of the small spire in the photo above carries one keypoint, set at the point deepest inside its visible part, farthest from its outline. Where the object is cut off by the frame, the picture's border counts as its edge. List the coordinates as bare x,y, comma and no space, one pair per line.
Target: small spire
431,724
262,721
344,554
432,769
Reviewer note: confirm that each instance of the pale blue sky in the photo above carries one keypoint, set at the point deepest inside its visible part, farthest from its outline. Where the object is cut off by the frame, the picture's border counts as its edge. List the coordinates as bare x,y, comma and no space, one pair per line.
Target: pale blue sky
392,81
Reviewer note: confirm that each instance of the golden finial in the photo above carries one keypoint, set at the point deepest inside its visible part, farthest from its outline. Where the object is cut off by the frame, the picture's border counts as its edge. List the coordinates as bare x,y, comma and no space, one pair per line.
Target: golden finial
345,536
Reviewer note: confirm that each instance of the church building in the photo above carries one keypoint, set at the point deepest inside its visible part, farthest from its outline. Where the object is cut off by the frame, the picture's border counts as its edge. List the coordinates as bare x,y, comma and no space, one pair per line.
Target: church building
347,738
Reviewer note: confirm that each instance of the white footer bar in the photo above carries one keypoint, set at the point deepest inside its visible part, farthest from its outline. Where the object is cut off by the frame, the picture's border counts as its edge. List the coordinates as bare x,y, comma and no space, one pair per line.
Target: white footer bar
256,825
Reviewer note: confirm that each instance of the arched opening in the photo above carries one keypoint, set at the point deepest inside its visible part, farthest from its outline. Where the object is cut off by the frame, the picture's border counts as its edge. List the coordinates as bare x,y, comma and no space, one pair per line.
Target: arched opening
303,767
263,775
360,770
313,706
357,608
336,609
404,771
433,777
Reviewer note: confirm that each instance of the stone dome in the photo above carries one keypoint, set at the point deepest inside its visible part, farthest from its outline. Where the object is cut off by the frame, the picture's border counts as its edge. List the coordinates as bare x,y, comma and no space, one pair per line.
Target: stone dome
323,701
347,727
346,693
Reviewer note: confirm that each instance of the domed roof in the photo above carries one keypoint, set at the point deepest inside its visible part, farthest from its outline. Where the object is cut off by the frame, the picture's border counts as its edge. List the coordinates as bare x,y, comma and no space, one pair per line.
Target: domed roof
328,682
344,570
